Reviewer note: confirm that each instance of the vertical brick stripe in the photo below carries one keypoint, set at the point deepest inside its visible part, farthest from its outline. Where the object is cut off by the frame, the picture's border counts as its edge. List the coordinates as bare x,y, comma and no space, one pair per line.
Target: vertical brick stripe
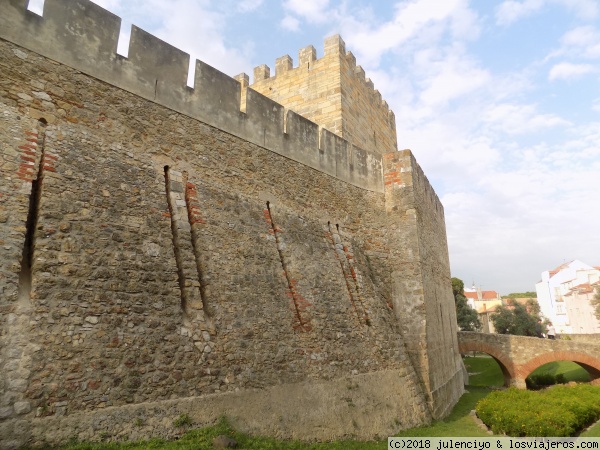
347,276
27,157
299,304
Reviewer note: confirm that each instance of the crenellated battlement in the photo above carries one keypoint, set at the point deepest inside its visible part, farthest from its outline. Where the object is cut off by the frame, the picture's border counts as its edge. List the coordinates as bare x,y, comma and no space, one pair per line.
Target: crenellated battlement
84,36
334,46
334,92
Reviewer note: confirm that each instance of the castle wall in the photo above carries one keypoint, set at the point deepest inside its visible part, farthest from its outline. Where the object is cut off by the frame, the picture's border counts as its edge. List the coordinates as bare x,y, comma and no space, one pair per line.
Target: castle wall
174,260
445,363
421,289
333,92
170,250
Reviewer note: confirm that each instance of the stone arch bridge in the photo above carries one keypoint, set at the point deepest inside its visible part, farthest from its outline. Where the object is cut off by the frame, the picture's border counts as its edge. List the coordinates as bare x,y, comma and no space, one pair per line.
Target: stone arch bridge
518,356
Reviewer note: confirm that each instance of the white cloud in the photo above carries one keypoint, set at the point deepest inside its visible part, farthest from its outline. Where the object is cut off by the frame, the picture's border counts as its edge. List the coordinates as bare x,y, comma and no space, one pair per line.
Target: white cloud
580,36
314,11
453,81
248,5
511,11
567,71
584,9
582,41
290,23
414,20
519,119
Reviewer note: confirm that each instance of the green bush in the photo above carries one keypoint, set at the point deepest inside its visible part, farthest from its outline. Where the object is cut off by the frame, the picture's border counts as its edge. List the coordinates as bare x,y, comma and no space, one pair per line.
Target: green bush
541,380
559,411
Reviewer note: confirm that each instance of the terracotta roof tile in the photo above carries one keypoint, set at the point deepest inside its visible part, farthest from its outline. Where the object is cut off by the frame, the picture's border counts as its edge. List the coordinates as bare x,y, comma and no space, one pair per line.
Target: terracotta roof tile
485,295
559,268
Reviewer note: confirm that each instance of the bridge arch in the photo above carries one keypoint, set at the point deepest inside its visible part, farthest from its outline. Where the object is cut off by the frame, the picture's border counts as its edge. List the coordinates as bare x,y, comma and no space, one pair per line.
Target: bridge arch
588,362
505,363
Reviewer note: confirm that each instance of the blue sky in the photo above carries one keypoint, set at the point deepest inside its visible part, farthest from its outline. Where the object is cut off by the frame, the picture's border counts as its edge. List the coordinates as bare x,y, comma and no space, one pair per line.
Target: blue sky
498,100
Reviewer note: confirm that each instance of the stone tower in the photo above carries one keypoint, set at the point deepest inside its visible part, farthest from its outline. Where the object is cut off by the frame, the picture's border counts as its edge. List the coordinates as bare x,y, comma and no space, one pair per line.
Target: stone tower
333,92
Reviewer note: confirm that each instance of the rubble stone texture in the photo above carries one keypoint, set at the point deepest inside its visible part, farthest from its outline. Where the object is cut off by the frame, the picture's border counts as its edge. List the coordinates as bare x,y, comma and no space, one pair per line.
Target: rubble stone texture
166,251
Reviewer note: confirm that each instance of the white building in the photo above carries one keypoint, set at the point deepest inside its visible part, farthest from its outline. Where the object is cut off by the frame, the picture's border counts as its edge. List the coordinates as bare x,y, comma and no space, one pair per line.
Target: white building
565,295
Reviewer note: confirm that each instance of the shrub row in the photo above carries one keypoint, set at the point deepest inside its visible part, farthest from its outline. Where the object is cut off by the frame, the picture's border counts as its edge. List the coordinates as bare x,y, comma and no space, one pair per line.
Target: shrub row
559,411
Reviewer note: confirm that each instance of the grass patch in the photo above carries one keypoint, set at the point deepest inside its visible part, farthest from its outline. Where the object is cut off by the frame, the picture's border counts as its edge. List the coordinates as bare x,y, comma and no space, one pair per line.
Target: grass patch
459,422
201,439
483,371
593,431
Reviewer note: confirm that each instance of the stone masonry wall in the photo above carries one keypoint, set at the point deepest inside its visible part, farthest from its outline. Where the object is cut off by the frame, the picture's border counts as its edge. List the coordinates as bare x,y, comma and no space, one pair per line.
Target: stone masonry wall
445,363
420,274
19,170
333,92
173,260
171,250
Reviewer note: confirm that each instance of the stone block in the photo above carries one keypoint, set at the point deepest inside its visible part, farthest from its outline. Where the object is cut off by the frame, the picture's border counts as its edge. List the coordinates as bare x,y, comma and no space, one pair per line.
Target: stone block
22,407
6,412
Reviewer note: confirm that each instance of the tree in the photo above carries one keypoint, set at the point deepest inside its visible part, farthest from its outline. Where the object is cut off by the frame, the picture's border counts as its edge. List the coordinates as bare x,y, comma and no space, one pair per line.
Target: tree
533,308
528,294
517,319
596,303
466,317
